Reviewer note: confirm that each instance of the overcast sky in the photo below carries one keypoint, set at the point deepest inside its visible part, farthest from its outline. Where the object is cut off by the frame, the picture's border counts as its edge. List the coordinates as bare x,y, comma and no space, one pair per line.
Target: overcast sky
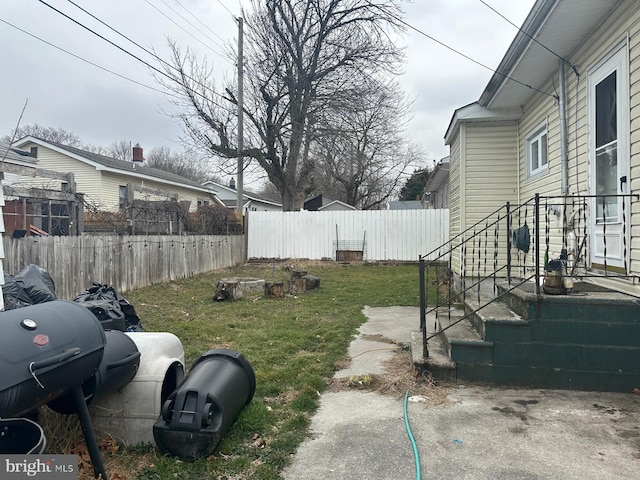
101,108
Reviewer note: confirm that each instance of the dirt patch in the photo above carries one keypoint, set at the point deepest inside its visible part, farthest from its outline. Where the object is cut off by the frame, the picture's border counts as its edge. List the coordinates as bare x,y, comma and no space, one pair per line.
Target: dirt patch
399,378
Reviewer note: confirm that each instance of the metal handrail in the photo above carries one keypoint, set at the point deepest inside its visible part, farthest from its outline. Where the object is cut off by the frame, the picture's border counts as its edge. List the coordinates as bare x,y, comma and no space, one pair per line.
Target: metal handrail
468,238
479,222
493,300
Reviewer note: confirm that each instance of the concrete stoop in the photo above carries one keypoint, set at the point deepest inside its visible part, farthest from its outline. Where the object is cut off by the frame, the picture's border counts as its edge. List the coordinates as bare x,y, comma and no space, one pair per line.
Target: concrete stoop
453,334
583,341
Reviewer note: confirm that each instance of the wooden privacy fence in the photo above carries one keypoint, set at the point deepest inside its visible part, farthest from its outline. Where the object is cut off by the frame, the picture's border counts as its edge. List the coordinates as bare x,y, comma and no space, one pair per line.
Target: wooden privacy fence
123,262
380,234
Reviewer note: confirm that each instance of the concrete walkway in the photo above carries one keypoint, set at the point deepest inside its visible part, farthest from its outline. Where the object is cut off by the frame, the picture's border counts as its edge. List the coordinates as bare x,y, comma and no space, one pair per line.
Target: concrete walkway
478,433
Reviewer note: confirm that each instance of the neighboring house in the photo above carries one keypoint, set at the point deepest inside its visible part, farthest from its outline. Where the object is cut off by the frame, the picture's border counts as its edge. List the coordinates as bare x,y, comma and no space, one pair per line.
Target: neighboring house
437,187
405,205
253,202
321,202
567,129
39,210
15,156
19,158
12,159
105,180
336,205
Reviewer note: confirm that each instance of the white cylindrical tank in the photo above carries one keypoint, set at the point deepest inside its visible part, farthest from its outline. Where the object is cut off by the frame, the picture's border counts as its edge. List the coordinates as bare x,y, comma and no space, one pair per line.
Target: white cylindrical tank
129,413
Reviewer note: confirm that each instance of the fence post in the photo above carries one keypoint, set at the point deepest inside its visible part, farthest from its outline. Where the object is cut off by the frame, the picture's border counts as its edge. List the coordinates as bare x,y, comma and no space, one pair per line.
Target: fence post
423,306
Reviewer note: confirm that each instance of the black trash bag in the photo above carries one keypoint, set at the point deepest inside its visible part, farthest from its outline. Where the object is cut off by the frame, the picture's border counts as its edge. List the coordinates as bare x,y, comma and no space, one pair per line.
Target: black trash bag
13,293
104,292
38,284
108,312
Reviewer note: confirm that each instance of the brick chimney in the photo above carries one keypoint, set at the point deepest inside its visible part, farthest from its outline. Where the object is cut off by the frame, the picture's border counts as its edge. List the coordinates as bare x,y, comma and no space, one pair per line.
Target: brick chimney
138,158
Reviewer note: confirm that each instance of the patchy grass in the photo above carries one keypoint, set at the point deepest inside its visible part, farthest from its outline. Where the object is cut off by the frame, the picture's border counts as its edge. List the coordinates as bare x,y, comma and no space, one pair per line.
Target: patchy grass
294,345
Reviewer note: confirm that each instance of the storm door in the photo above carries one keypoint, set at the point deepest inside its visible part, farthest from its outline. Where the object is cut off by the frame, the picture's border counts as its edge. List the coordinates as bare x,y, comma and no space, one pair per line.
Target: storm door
609,162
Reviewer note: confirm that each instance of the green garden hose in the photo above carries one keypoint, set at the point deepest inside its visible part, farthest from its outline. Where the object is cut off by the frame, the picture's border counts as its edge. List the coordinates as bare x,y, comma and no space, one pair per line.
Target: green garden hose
413,441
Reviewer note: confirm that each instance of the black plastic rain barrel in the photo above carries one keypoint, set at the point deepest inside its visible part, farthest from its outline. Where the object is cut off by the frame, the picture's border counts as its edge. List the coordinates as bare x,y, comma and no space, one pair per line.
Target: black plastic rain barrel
198,413
46,349
21,436
119,365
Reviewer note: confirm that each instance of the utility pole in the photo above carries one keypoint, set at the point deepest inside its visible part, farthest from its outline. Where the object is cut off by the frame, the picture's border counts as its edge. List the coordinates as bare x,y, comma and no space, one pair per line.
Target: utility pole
239,185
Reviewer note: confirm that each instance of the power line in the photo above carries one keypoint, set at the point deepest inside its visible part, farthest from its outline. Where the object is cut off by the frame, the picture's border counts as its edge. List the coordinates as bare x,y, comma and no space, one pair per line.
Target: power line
532,38
155,69
458,52
182,28
201,22
225,7
191,24
87,61
153,54
121,34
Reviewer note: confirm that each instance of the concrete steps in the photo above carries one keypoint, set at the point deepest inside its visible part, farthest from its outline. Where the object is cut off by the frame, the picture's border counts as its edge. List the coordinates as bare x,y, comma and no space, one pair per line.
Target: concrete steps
453,333
584,341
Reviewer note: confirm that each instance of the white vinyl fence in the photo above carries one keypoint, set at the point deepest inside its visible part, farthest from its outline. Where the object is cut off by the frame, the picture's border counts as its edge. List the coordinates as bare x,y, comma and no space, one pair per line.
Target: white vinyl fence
400,235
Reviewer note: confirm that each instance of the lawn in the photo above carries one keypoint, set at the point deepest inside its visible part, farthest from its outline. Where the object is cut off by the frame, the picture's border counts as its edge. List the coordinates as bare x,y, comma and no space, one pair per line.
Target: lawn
294,345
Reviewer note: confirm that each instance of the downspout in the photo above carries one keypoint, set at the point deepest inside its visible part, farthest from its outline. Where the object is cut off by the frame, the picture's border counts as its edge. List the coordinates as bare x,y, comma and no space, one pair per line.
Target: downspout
564,157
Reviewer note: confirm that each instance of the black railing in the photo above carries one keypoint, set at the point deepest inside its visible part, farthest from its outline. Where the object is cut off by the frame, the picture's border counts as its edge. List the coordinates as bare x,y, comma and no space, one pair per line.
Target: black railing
507,244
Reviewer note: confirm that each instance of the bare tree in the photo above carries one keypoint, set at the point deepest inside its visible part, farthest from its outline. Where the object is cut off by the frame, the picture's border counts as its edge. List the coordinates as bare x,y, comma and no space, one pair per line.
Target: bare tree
121,150
51,134
299,54
361,154
185,164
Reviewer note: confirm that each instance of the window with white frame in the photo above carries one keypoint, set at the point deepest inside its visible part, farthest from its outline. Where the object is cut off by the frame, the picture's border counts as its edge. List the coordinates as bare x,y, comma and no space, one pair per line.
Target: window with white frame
537,151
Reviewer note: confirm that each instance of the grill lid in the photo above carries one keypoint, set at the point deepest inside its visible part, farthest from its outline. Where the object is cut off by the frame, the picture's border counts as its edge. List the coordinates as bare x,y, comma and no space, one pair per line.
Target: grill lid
44,350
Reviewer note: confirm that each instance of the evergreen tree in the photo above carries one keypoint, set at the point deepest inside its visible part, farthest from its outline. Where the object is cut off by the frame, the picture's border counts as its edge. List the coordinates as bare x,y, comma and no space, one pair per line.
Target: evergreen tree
414,186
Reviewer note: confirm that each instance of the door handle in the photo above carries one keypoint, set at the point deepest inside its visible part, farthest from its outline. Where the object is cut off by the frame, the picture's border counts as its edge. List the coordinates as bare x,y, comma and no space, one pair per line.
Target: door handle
623,179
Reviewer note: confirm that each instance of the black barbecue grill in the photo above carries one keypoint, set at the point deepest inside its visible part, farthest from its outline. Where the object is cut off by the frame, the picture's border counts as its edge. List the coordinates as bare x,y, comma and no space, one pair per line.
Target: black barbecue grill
120,361
46,350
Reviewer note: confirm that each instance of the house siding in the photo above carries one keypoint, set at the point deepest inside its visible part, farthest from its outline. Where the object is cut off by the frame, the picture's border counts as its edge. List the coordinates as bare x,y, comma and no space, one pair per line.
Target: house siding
440,198
484,158
455,204
86,177
111,187
623,26
634,137
491,166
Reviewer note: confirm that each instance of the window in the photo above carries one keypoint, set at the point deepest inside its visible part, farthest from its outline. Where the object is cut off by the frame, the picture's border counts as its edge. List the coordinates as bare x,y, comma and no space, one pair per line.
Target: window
537,151
123,195
606,148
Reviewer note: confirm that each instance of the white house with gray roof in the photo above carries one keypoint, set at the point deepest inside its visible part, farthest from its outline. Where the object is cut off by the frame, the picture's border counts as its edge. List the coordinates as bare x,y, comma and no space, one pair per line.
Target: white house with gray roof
104,180
253,202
